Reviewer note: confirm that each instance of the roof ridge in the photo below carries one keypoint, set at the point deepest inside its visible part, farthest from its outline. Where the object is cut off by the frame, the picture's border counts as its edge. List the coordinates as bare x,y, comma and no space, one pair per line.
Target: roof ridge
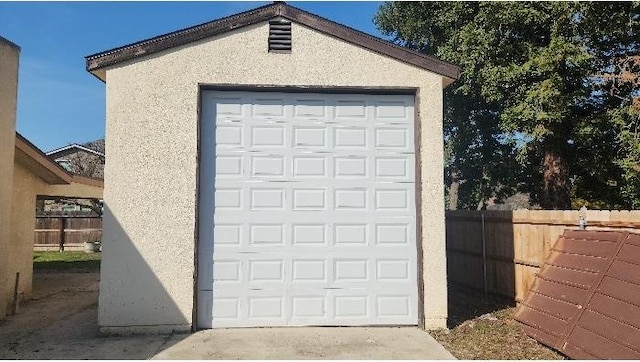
220,26
180,31
72,145
373,37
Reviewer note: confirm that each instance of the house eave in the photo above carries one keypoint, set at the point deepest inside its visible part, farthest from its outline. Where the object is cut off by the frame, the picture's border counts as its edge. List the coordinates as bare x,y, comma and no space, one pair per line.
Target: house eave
37,162
98,62
41,165
62,151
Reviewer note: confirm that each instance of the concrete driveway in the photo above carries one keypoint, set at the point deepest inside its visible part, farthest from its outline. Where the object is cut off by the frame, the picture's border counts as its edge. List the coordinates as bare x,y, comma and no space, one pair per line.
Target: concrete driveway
61,323
308,343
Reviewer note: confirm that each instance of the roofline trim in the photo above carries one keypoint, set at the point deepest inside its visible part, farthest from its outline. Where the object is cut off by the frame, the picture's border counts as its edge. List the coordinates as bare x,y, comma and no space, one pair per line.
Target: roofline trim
45,161
9,43
74,145
188,35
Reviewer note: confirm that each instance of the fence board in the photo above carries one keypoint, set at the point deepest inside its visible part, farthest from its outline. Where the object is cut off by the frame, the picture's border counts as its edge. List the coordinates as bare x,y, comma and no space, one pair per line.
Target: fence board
516,242
77,230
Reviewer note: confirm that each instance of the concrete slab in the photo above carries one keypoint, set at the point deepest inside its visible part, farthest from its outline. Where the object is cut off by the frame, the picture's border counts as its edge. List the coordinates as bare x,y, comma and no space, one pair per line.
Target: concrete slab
307,343
61,323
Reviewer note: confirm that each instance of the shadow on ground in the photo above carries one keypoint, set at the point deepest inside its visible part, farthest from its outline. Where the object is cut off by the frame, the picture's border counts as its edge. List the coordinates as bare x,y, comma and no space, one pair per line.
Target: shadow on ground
467,303
61,322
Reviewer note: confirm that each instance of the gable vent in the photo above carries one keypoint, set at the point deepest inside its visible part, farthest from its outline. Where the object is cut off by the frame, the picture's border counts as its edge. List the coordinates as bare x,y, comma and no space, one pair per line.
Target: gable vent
280,36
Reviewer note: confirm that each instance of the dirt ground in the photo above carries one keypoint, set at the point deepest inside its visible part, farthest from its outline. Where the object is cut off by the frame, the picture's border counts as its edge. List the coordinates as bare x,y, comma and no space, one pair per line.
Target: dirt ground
484,328
61,323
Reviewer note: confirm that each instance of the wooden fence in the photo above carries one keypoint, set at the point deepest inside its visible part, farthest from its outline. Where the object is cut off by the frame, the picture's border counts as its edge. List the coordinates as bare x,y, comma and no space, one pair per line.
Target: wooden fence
60,232
500,252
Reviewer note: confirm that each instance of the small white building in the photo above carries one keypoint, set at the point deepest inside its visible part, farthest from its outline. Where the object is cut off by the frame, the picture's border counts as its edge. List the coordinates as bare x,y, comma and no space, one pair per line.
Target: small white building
272,168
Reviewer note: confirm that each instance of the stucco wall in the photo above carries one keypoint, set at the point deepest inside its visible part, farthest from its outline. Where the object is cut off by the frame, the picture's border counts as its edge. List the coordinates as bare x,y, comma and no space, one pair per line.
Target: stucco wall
72,190
150,174
26,187
8,94
23,216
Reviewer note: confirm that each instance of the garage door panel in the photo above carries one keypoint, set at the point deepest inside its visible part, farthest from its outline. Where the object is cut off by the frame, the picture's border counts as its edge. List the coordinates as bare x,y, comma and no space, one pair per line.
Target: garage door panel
371,252
308,309
290,271
310,166
343,308
347,211
228,106
305,136
348,167
389,234
312,218
392,138
267,107
393,307
229,135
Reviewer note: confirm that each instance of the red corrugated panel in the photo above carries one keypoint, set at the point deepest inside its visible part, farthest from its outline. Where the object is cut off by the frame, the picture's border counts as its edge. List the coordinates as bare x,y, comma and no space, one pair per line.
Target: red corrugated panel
585,301
578,278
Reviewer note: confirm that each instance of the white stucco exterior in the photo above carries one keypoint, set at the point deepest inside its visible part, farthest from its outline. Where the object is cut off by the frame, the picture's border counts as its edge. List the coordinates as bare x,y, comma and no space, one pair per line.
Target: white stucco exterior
147,273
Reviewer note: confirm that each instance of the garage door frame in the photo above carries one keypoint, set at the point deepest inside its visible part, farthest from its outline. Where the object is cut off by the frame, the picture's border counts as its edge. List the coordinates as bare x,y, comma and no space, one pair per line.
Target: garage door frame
374,90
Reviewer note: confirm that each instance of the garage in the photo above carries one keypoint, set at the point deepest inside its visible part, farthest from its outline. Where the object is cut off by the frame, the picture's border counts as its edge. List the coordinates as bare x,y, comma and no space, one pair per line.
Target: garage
312,198
272,168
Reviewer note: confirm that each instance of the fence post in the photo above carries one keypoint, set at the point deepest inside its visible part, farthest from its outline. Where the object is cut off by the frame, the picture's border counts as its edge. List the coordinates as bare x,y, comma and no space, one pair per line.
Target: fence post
582,218
484,256
14,306
63,226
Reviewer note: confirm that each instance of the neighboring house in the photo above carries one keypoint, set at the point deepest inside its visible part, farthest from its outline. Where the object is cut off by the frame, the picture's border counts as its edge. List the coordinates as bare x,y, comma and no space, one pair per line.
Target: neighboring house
80,160
63,207
272,168
25,173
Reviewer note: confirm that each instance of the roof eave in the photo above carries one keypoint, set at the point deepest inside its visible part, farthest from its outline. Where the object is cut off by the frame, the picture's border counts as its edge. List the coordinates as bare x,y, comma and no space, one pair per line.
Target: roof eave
61,152
89,181
9,43
153,45
96,63
37,162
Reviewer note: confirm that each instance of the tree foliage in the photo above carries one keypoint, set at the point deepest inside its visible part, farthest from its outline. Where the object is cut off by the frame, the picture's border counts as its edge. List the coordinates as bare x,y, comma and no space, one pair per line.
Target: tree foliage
545,100
87,164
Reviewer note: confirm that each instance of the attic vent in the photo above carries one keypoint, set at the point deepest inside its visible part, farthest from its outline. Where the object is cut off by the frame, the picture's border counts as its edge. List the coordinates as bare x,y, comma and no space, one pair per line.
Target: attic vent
280,36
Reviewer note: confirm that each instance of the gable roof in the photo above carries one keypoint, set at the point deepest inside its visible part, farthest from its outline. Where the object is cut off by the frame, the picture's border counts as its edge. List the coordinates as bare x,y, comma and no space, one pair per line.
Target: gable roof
63,151
36,161
146,47
9,43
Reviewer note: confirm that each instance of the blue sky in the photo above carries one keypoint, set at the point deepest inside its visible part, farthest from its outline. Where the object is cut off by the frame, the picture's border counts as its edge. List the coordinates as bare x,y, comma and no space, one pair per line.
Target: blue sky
58,101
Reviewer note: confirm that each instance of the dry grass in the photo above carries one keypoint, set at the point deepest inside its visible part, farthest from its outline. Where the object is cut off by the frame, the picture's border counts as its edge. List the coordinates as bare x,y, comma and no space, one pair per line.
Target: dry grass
485,329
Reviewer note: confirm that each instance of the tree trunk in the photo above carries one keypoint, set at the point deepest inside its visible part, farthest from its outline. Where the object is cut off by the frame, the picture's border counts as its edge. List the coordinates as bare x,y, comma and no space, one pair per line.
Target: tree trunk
453,189
555,189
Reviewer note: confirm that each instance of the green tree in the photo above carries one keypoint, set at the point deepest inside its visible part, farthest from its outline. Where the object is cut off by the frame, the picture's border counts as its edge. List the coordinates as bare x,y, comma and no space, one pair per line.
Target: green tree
538,78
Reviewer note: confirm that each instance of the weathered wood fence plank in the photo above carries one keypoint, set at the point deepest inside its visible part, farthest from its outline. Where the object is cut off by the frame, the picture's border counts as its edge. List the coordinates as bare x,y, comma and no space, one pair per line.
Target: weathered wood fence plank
515,244
50,231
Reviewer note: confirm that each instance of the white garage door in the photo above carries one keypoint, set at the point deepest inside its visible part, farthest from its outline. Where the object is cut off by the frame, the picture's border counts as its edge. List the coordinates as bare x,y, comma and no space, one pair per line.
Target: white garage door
307,210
